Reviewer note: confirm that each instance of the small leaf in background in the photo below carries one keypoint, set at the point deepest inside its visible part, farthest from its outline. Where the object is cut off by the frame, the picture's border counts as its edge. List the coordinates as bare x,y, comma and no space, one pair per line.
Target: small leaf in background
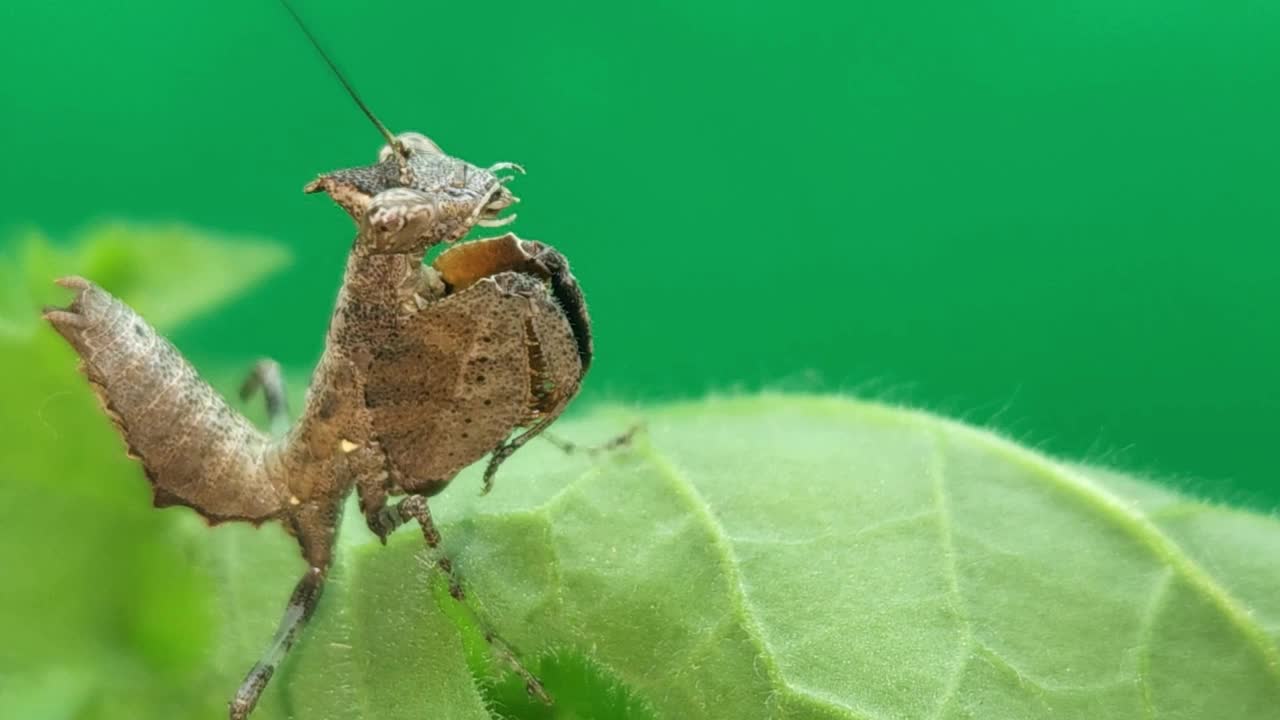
168,273
185,274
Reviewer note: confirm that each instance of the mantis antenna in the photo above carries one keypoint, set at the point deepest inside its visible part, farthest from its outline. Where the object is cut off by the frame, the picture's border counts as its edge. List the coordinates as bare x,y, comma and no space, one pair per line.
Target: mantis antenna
392,140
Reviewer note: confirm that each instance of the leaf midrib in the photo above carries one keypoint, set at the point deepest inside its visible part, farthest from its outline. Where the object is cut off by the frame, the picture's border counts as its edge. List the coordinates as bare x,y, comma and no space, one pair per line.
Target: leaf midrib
738,594
942,506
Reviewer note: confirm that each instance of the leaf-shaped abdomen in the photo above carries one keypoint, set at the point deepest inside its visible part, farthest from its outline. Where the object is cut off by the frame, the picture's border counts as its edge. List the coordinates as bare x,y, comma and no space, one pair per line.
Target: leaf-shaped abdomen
196,450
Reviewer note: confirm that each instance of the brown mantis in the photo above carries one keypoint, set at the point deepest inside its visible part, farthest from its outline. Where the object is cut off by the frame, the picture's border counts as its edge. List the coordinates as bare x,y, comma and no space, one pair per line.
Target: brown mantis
425,370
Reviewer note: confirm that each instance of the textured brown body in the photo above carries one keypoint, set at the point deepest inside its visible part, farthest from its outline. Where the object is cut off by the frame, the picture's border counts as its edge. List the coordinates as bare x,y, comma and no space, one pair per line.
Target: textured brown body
425,370
420,378
458,354
194,448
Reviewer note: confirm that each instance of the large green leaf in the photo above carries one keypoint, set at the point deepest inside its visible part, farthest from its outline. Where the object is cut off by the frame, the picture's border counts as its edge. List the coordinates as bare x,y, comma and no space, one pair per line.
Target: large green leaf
803,557
756,557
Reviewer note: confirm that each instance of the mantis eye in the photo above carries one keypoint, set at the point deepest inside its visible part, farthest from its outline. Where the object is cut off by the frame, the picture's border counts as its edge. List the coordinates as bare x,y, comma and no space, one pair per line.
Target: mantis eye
413,142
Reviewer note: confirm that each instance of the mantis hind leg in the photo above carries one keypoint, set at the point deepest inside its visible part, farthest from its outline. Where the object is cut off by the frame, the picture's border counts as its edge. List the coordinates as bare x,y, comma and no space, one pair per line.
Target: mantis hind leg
315,526
302,604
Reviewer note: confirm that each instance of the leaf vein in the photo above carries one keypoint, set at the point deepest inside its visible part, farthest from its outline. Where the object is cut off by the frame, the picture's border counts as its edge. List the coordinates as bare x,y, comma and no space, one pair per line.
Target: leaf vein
1146,627
728,565
1138,526
942,506
888,524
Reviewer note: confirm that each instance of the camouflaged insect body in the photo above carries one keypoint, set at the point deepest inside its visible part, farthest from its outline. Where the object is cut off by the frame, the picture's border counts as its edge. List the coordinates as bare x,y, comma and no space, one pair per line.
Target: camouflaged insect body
426,369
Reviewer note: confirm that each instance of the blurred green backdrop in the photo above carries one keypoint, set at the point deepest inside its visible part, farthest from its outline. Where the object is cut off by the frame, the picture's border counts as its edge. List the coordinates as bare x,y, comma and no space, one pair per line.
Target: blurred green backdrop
1057,218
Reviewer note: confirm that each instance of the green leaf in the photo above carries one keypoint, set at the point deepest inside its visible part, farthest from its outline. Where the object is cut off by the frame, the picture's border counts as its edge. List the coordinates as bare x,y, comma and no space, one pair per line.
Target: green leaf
169,273
801,557
754,557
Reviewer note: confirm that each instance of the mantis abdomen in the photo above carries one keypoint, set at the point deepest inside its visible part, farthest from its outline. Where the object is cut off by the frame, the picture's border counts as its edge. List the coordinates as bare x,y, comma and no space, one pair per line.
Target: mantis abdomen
192,445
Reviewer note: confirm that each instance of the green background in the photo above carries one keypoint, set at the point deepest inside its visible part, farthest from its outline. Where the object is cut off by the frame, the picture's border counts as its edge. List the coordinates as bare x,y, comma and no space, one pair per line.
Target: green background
1059,219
